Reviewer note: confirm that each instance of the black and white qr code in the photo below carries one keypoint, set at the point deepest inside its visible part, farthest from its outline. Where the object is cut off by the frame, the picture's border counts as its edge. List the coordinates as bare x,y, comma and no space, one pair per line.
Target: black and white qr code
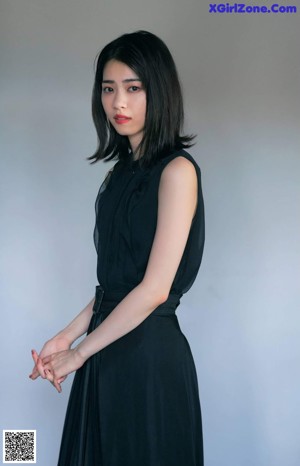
19,446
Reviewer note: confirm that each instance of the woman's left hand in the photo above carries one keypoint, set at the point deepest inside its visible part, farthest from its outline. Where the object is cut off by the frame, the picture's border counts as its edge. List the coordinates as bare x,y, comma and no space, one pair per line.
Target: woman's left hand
58,365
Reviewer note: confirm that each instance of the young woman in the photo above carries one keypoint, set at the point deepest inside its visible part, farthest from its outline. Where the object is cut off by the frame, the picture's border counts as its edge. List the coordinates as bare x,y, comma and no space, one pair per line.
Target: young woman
134,399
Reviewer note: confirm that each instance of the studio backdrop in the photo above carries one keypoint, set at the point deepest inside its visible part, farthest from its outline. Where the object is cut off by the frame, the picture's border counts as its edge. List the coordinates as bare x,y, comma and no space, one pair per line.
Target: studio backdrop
240,78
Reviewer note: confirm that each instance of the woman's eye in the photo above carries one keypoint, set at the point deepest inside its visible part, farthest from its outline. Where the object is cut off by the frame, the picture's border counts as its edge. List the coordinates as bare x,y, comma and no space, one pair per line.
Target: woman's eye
134,88
107,89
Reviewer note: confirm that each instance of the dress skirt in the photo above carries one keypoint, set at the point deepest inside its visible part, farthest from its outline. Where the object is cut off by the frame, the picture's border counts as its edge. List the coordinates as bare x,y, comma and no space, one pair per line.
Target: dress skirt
135,402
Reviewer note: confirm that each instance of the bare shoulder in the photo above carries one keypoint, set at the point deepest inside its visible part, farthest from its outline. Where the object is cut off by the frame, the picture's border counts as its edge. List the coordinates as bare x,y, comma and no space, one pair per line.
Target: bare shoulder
181,169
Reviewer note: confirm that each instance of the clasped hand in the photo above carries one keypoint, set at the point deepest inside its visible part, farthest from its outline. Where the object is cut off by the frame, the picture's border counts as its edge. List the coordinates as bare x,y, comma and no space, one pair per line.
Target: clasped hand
56,367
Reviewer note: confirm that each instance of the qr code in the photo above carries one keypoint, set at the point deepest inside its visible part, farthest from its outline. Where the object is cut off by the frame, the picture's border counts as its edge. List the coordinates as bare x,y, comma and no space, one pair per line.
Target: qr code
19,446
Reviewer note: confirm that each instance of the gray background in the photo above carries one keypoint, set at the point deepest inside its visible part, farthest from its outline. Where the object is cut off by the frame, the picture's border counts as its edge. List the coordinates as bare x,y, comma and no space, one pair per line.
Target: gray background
240,76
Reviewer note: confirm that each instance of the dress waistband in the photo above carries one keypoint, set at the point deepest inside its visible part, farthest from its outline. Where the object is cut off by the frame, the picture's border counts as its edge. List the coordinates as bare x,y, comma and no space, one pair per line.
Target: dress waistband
106,300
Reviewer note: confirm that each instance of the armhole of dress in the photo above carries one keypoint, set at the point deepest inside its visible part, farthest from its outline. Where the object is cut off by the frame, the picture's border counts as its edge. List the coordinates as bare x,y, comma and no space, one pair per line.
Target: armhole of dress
108,175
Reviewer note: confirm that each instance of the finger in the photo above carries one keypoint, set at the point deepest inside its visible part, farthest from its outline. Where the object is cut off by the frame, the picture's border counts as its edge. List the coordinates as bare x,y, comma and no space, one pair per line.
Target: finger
48,374
33,371
54,381
57,386
40,368
34,356
35,374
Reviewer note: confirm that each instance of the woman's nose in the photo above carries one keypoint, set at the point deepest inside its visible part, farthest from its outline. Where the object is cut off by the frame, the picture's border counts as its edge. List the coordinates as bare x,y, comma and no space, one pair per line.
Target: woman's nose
120,100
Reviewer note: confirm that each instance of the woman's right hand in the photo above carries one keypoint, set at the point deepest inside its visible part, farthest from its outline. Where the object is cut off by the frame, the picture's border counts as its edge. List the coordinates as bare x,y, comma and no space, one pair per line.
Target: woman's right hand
54,345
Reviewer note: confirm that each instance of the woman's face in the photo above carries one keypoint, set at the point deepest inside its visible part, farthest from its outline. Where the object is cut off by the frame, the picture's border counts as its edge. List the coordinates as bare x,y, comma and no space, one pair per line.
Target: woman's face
124,101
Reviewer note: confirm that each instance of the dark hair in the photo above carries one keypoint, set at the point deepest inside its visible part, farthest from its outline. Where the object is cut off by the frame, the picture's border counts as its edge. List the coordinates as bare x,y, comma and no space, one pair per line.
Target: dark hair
150,58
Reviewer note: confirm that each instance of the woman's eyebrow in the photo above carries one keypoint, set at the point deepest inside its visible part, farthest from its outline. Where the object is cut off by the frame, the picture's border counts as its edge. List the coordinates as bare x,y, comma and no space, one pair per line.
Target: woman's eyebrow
129,80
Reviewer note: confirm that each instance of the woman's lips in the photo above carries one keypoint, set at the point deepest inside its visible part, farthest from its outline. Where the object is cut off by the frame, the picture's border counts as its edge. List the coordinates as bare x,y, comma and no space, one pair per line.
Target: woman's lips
121,119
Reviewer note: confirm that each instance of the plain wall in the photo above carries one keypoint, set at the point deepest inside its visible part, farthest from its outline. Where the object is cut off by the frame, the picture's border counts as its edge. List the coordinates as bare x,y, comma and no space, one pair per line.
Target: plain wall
240,76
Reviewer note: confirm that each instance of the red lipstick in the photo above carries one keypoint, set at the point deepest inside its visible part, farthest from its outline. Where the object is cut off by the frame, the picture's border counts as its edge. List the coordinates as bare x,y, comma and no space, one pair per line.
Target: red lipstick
121,119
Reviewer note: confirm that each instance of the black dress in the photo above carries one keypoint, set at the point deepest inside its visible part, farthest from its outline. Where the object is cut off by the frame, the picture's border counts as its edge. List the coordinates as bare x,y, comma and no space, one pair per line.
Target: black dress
136,402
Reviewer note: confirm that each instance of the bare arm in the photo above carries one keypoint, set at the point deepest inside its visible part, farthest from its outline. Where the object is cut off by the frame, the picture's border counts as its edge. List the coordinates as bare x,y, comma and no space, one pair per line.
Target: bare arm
79,324
177,203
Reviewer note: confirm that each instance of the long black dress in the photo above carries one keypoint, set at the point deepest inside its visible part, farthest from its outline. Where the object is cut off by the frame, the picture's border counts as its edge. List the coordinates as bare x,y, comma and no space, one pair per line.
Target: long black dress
136,402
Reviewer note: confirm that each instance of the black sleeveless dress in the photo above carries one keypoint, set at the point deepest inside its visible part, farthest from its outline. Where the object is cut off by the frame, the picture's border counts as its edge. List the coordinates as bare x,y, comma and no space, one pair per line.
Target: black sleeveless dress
136,402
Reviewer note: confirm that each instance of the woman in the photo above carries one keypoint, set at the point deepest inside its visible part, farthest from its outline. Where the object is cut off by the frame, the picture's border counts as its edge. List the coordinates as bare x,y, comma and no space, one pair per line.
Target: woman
134,399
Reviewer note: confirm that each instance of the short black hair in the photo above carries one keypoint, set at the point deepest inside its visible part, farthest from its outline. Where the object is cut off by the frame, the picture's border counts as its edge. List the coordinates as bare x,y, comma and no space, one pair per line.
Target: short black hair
149,57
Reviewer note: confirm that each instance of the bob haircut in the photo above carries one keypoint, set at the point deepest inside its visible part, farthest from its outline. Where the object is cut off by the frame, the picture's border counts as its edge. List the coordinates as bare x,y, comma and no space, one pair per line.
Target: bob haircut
151,60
